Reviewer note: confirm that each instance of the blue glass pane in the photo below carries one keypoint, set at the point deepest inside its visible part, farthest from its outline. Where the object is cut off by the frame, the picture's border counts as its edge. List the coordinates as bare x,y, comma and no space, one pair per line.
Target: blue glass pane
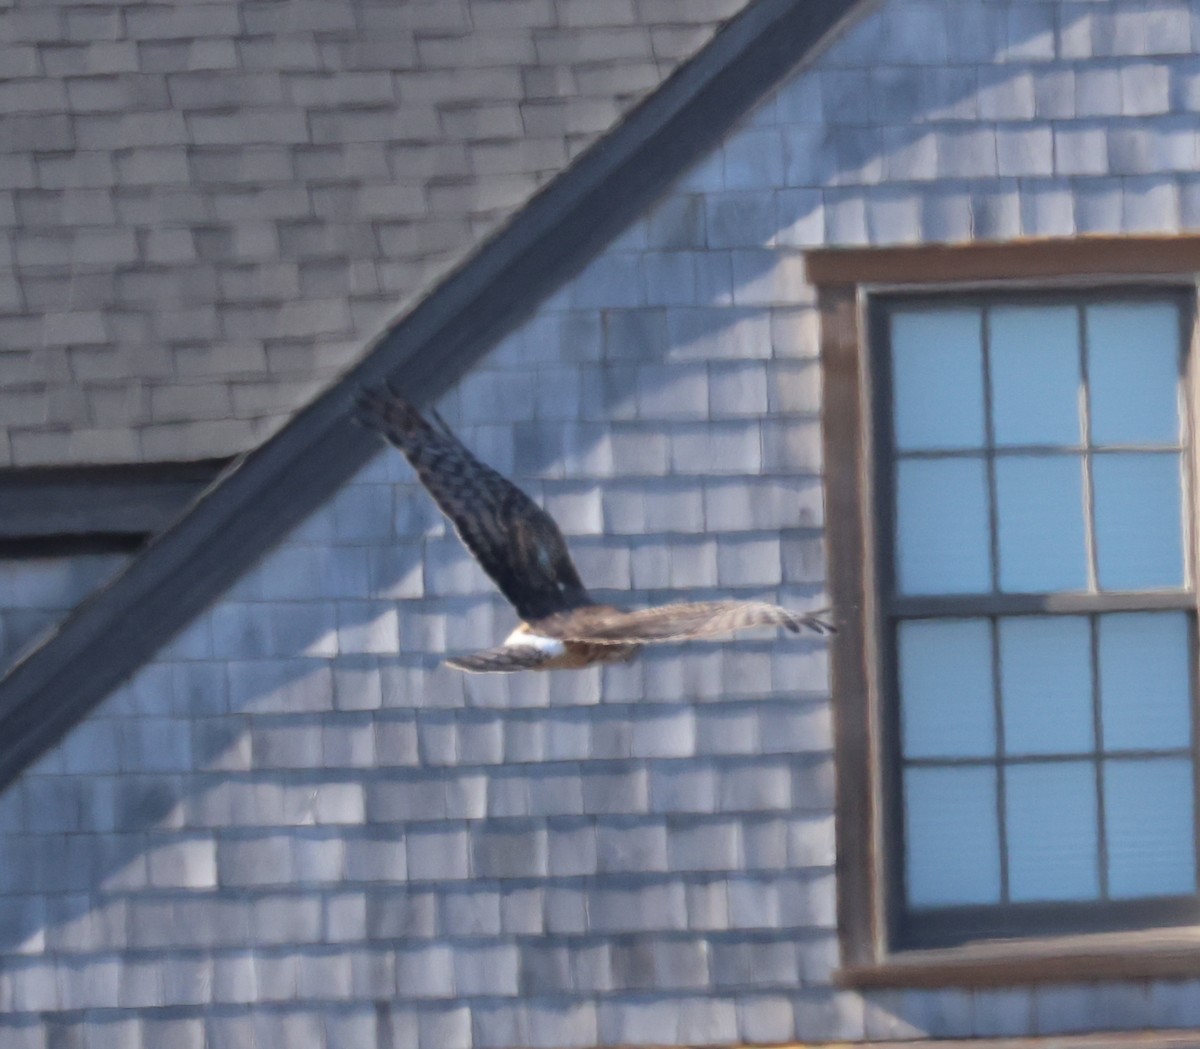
1034,359
1145,687
1139,528
1053,831
946,688
1133,372
1039,522
937,379
952,840
1046,684
1148,822
942,527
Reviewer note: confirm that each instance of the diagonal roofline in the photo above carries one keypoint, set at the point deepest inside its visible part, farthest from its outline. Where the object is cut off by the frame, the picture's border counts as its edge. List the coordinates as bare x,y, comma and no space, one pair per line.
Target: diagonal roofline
273,488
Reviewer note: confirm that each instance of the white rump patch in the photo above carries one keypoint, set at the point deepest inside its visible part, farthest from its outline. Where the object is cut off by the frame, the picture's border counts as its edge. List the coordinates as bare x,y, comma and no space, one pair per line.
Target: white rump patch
524,639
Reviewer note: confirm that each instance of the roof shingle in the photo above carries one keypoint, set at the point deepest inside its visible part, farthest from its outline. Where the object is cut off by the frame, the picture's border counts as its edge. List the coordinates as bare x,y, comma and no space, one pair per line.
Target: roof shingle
215,209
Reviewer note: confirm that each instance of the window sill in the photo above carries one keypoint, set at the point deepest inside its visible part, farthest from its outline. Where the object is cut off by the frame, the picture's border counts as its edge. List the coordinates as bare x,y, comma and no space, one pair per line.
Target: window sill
1144,954
1149,1039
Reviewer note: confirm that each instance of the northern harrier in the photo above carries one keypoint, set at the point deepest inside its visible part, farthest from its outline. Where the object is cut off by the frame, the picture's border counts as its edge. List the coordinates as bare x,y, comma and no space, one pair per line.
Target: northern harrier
518,544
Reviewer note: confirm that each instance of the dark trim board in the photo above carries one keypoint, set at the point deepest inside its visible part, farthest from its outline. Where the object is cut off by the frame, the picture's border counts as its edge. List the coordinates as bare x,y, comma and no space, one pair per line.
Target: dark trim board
273,488
861,908
69,508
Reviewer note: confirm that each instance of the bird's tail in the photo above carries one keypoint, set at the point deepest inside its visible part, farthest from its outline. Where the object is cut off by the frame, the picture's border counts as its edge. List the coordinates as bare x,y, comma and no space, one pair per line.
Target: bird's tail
506,659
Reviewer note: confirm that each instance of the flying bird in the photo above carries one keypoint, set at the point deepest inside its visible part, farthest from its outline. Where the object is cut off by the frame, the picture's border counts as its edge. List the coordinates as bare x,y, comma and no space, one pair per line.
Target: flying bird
518,544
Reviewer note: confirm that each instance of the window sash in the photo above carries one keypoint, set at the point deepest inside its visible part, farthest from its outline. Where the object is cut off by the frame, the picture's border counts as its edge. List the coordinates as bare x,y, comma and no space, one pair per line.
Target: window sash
948,925
887,457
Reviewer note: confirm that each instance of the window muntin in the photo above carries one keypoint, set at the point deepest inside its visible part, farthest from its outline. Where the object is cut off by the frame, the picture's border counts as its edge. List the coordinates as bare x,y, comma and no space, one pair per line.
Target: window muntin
1044,747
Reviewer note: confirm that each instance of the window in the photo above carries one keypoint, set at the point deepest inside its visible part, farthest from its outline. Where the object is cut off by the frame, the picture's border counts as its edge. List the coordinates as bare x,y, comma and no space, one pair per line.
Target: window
1036,603
1009,493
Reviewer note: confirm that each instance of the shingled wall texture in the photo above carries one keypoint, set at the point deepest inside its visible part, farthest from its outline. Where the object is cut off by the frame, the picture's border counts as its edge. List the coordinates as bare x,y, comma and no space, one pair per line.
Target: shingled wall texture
293,827
37,592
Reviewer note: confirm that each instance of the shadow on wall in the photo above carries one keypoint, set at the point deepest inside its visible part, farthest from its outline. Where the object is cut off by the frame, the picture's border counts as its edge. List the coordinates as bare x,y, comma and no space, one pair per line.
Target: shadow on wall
271,711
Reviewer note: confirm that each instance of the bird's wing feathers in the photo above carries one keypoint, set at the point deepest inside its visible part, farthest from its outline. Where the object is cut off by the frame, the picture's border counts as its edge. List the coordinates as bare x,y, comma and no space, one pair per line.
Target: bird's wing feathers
680,622
518,544
515,541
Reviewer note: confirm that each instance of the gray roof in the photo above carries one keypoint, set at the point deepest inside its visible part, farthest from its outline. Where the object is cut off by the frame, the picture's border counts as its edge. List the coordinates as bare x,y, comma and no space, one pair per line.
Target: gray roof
273,488
213,208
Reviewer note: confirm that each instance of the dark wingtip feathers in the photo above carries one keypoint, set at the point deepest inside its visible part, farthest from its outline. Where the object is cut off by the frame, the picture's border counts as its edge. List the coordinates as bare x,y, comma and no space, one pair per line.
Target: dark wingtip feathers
818,622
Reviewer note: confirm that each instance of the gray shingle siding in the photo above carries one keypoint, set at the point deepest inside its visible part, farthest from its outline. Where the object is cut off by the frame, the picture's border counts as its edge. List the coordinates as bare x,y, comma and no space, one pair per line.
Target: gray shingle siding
293,826
36,592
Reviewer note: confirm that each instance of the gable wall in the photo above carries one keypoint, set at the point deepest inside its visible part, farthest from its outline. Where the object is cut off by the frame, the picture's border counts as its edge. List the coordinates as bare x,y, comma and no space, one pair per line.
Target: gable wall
293,825
37,592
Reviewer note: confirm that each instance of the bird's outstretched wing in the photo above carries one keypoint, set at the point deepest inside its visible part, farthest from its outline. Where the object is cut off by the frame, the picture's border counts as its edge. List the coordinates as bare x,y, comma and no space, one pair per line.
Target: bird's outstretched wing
601,625
515,541
506,659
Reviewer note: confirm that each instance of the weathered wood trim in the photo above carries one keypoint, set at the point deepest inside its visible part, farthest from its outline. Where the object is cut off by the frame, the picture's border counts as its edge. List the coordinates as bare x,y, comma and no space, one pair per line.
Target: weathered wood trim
1145,954
1172,1039
273,488
95,501
1078,257
846,457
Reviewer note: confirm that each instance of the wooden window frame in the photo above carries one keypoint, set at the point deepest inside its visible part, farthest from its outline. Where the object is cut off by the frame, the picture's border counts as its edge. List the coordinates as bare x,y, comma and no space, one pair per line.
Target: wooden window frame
847,282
